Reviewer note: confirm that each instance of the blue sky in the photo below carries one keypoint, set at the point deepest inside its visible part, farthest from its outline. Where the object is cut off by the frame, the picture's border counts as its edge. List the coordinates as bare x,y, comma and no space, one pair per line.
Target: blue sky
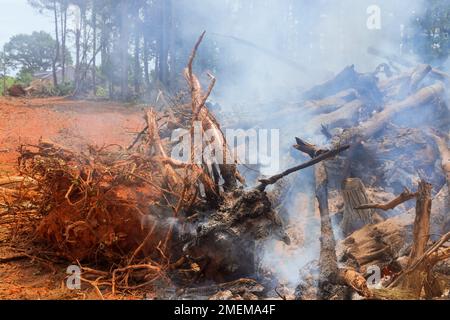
17,16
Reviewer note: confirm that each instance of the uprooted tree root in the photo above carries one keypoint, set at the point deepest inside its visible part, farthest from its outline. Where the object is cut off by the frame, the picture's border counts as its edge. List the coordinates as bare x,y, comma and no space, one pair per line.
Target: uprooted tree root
109,206
128,216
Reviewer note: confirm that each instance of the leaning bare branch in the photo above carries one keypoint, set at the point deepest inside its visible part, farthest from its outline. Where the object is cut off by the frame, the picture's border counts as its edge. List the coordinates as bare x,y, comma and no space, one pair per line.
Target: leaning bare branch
403,197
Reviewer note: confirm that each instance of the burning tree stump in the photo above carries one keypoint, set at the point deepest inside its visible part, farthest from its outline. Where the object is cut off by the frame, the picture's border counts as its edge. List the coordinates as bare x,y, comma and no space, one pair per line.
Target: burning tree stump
229,238
354,194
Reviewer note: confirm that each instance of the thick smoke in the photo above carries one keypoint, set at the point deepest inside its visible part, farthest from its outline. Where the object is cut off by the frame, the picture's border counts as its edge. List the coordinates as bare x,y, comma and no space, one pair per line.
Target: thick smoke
272,50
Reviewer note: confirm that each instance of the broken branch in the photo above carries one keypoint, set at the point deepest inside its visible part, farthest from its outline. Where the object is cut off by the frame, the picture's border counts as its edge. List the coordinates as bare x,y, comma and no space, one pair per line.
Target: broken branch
403,197
329,154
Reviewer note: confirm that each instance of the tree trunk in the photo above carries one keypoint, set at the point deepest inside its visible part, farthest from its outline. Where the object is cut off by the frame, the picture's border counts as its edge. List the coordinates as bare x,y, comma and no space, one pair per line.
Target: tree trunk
328,266
164,42
63,40
77,51
94,50
124,39
56,58
146,61
137,63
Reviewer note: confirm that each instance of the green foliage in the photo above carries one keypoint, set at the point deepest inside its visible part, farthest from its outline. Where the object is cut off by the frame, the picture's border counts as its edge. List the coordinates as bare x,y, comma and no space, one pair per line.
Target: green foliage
64,89
102,92
24,78
9,82
32,53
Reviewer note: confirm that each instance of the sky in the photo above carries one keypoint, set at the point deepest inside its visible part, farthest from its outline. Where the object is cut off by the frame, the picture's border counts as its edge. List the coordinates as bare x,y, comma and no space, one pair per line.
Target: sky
17,16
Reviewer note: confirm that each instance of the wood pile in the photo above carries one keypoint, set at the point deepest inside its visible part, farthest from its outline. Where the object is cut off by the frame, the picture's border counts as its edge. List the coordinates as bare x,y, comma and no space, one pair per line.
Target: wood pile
133,217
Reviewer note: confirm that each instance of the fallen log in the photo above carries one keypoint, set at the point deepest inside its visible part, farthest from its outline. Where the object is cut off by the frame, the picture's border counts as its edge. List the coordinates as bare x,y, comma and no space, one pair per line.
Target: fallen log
331,103
442,142
330,274
438,74
422,97
419,73
345,116
364,84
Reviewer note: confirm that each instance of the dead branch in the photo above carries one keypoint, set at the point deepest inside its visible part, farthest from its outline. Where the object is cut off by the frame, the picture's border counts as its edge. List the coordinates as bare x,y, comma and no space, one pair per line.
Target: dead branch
327,155
227,166
403,197
429,258
310,149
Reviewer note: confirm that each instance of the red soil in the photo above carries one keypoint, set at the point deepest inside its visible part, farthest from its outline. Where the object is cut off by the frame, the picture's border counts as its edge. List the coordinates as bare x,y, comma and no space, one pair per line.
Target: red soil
71,123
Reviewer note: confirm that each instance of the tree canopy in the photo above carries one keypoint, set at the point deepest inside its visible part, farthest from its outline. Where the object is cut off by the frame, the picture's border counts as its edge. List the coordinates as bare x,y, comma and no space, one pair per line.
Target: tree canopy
31,53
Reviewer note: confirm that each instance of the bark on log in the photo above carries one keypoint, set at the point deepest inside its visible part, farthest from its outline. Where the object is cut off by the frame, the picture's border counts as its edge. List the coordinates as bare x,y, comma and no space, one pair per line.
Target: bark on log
419,73
414,280
364,84
354,194
332,103
421,230
442,143
344,116
328,267
227,165
420,98
355,280
329,273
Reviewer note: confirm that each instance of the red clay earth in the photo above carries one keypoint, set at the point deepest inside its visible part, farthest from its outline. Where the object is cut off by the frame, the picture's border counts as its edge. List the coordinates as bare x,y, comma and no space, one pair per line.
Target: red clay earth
71,123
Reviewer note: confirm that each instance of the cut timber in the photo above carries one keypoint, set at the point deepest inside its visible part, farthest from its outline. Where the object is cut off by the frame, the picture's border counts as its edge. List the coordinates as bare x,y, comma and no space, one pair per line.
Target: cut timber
442,143
343,117
382,243
421,98
437,252
332,103
369,129
354,194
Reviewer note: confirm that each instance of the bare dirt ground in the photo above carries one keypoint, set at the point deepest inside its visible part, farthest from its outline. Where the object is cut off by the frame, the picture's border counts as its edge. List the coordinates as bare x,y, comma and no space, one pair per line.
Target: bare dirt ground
71,123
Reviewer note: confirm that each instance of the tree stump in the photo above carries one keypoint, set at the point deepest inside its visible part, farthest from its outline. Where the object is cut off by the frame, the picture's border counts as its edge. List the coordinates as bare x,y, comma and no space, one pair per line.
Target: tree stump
354,194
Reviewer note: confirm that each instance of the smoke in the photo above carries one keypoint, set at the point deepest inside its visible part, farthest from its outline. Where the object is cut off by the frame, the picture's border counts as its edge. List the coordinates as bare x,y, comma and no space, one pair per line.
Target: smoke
270,51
